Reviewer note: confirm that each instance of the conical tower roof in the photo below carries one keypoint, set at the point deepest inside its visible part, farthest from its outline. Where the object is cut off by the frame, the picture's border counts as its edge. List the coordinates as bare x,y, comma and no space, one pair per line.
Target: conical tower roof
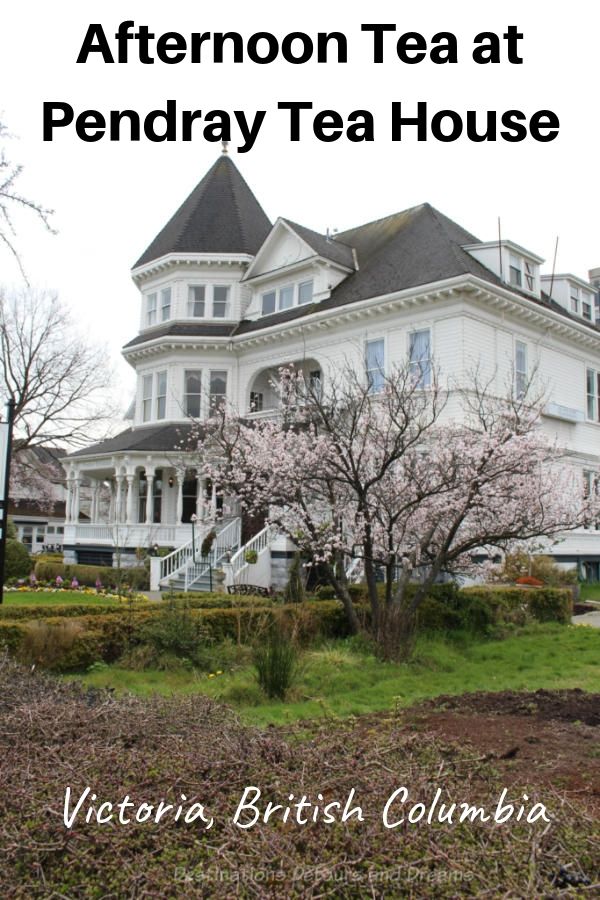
221,215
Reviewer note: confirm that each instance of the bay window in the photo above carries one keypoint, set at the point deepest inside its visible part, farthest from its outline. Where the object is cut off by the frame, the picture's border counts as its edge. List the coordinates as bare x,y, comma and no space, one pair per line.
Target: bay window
151,309
161,395
196,301
220,301
146,398
192,393
165,304
419,355
217,390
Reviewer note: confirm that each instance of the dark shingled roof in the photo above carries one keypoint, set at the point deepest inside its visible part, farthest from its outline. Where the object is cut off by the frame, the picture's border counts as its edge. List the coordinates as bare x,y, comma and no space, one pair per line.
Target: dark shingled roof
221,215
149,437
185,329
329,248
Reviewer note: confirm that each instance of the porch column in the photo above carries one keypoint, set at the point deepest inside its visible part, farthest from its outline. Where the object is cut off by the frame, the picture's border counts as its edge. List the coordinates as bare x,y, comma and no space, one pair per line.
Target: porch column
69,501
129,500
76,486
179,477
213,502
96,502
119,498
200,492
149,496
111,506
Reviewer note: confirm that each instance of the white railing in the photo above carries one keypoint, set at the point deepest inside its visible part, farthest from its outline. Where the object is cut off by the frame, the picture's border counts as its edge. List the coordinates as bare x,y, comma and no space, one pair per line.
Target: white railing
227,539
258,543
120,533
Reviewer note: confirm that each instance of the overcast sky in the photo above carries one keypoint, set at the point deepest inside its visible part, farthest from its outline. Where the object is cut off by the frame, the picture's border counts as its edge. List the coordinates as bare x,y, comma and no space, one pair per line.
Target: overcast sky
110,199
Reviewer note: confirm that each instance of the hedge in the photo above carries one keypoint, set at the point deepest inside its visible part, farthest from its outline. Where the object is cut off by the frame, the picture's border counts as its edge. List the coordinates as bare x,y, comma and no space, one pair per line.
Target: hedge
136,577
546,604
66,611
17,563
96,637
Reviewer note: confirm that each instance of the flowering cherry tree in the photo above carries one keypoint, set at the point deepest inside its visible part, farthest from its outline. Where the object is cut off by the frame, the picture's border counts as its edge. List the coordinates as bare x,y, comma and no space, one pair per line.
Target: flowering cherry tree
392,478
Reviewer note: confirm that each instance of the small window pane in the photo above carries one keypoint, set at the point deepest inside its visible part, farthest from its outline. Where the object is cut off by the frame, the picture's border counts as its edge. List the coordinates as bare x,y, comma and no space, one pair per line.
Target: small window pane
218,389
165,304
193,393
256,401
286,296
161,395
521,373
146,398
220,300
268,303
375,364
305,292
196,296
420,357
151,309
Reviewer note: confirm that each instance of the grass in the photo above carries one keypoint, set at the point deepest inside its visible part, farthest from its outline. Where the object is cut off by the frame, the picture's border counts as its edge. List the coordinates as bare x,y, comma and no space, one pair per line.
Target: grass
337,681
59,598
590,590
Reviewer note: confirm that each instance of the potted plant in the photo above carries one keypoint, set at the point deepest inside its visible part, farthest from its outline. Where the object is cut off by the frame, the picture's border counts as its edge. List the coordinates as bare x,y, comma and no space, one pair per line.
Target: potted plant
251,556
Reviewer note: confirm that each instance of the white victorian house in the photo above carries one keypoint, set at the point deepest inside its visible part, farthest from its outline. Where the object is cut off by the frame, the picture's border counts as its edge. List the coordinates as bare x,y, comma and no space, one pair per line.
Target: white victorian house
227,298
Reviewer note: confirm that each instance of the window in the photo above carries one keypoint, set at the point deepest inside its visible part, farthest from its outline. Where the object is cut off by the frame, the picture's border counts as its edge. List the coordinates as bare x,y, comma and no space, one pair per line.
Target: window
161,395
592,380
590,488
192,393
165,304
196,298
419,352
305,292
220,300
575,300
597,308
521,373
375,364
151,309
314,379
587,311
256,401
268,303
529,276
218,390
146,398
286,296
514,271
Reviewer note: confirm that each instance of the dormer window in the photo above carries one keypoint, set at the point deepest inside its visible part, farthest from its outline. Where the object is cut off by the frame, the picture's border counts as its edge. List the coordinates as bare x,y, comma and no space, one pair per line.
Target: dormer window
515,276
575,299
286,297
586,311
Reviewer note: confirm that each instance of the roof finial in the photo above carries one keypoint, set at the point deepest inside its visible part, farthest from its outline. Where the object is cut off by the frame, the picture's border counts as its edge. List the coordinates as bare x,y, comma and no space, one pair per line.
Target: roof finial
225,147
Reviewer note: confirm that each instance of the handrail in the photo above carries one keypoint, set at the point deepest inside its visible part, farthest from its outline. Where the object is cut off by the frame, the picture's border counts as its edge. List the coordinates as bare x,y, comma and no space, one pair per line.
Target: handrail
259,543
226,538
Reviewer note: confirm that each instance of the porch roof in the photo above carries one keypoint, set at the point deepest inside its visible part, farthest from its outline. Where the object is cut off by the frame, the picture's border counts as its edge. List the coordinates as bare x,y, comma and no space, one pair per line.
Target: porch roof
145,438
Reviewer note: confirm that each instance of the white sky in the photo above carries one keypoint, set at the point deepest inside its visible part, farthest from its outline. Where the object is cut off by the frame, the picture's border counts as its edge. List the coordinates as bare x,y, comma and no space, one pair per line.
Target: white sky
111,199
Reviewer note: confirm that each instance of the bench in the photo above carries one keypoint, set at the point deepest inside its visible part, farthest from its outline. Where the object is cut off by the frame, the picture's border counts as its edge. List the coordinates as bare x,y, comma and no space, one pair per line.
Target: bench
249,590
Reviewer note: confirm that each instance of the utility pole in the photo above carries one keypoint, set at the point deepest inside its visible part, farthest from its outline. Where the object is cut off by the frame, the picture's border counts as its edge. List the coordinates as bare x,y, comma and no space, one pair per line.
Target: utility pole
6,430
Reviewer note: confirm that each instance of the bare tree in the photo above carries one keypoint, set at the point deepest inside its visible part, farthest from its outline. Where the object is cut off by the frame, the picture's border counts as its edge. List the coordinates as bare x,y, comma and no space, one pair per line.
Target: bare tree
59,381
12,200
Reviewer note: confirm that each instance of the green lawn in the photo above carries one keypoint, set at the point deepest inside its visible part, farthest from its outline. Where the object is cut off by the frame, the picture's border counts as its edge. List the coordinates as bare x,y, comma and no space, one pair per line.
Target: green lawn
59,598
590,591
339,681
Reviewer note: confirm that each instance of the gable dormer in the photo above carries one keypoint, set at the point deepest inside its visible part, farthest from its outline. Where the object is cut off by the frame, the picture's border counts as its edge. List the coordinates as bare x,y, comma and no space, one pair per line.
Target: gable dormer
294,267
572,293
518,268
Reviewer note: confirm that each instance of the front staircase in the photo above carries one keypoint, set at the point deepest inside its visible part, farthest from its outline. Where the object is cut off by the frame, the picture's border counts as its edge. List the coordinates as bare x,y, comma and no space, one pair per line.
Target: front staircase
185,569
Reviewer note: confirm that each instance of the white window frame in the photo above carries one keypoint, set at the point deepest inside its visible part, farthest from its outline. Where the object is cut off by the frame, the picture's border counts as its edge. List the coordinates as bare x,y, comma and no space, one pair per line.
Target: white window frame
151,308
286,287
212,372
424,378
160,396
187,394
264,294
592,404
147,380
302,284
165,293
521,373
575,298
191,302
225,287
375,388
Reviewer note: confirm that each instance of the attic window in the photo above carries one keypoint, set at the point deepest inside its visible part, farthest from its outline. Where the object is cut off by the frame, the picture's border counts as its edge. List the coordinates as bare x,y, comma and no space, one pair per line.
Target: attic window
522,273
514,270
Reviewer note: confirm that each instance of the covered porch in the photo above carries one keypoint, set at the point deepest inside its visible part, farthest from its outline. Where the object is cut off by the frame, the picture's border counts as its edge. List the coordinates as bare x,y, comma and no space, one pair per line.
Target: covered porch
138,504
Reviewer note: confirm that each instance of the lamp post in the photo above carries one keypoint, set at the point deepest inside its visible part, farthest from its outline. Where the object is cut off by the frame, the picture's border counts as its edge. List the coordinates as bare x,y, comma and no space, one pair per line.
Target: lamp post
5,453
193,520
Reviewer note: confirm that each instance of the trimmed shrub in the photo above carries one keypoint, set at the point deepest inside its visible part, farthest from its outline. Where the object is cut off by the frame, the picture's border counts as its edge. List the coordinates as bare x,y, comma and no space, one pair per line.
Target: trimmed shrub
546,604
17,563
433,615
66,611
